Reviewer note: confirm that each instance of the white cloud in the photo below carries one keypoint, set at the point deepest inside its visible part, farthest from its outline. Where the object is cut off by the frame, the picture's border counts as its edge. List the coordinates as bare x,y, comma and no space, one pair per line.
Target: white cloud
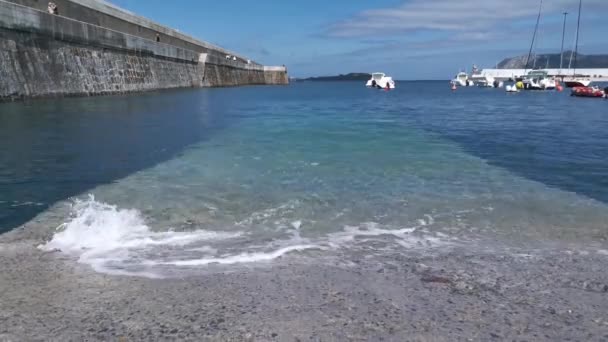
451,16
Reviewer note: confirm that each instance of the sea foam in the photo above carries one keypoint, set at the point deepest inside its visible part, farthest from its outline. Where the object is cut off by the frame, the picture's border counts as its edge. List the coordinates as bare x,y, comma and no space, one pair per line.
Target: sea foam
101,235
118,241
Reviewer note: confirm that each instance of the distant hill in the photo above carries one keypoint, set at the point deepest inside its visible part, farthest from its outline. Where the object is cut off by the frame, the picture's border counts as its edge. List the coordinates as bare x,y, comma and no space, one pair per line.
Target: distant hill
354,76
541,61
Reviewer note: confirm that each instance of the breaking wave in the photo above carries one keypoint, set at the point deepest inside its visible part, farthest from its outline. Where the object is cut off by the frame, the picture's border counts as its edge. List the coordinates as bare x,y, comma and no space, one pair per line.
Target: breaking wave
118,241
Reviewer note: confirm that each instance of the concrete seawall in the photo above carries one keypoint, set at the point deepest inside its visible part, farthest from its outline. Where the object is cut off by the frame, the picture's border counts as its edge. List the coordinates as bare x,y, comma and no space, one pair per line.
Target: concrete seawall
49,55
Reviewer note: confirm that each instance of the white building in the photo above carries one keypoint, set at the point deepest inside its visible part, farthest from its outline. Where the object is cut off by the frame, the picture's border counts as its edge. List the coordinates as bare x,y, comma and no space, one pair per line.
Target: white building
599,75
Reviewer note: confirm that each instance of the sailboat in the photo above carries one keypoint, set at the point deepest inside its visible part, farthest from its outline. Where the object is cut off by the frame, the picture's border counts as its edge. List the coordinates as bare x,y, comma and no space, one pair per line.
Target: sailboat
537,79
577,80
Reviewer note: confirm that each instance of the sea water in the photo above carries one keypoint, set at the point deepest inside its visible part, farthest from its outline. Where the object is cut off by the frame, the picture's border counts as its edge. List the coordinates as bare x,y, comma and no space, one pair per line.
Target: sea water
177,182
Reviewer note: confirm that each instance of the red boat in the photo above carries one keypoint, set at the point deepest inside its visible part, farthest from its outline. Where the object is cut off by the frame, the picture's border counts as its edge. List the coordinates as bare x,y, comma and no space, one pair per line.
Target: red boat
587,92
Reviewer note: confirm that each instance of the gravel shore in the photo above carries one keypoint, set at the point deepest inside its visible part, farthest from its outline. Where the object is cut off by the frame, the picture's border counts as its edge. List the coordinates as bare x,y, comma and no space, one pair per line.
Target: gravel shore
462,294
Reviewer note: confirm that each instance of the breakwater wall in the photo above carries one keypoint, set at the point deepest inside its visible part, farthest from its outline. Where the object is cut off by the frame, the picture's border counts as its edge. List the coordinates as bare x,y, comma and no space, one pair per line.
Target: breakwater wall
44,54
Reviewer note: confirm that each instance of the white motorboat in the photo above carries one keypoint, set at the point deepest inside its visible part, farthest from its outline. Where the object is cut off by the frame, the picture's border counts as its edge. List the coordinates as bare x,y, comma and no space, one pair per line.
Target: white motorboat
477,77
539,80
462,79
380,80
490,82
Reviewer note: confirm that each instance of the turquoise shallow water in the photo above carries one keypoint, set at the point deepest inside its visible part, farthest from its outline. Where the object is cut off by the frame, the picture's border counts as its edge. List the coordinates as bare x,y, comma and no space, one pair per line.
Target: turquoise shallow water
252,174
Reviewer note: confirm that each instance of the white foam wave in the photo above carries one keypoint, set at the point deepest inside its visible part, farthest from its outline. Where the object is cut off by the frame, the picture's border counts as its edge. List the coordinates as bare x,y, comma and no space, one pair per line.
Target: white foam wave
241,258
101,234
118,241
405,237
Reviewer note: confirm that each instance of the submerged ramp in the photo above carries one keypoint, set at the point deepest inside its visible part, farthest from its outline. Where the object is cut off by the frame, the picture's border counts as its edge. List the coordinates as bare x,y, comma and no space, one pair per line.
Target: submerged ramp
91,47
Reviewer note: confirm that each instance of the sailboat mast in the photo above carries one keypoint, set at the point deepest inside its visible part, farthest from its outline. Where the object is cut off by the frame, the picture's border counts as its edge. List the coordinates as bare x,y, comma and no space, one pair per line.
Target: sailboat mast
578,28
534,36
571,56
561,54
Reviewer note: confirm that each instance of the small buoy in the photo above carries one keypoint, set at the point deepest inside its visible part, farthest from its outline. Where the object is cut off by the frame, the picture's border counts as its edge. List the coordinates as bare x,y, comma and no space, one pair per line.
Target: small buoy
453,87
559,88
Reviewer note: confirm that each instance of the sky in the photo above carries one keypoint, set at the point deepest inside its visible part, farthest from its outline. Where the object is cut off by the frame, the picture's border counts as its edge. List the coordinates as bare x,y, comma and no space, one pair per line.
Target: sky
407,39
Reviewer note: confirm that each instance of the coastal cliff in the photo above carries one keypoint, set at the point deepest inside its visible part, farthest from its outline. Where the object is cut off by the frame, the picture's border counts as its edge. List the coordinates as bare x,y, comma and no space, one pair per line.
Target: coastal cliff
43,54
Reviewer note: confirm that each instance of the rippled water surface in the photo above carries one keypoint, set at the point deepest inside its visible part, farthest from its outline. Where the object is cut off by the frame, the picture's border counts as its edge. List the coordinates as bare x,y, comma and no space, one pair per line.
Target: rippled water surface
187,179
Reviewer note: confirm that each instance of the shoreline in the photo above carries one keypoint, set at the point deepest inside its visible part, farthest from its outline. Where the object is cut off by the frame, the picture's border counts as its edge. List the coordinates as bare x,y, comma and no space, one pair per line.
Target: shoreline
459,294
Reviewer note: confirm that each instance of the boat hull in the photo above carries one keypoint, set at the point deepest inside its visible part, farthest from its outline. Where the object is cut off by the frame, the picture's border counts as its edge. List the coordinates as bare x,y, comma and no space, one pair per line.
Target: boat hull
587,92
577,83
389,85
545,84
529,86
511,88
381,81
381,85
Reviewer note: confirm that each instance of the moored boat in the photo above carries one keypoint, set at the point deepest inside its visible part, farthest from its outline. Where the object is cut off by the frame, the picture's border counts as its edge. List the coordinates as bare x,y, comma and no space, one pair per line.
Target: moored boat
511,88
538,80
381,81
588,92
462,79
577,82
489,82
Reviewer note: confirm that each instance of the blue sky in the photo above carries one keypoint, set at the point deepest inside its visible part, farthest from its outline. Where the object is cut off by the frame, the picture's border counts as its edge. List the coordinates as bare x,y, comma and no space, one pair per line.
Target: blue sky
408,39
